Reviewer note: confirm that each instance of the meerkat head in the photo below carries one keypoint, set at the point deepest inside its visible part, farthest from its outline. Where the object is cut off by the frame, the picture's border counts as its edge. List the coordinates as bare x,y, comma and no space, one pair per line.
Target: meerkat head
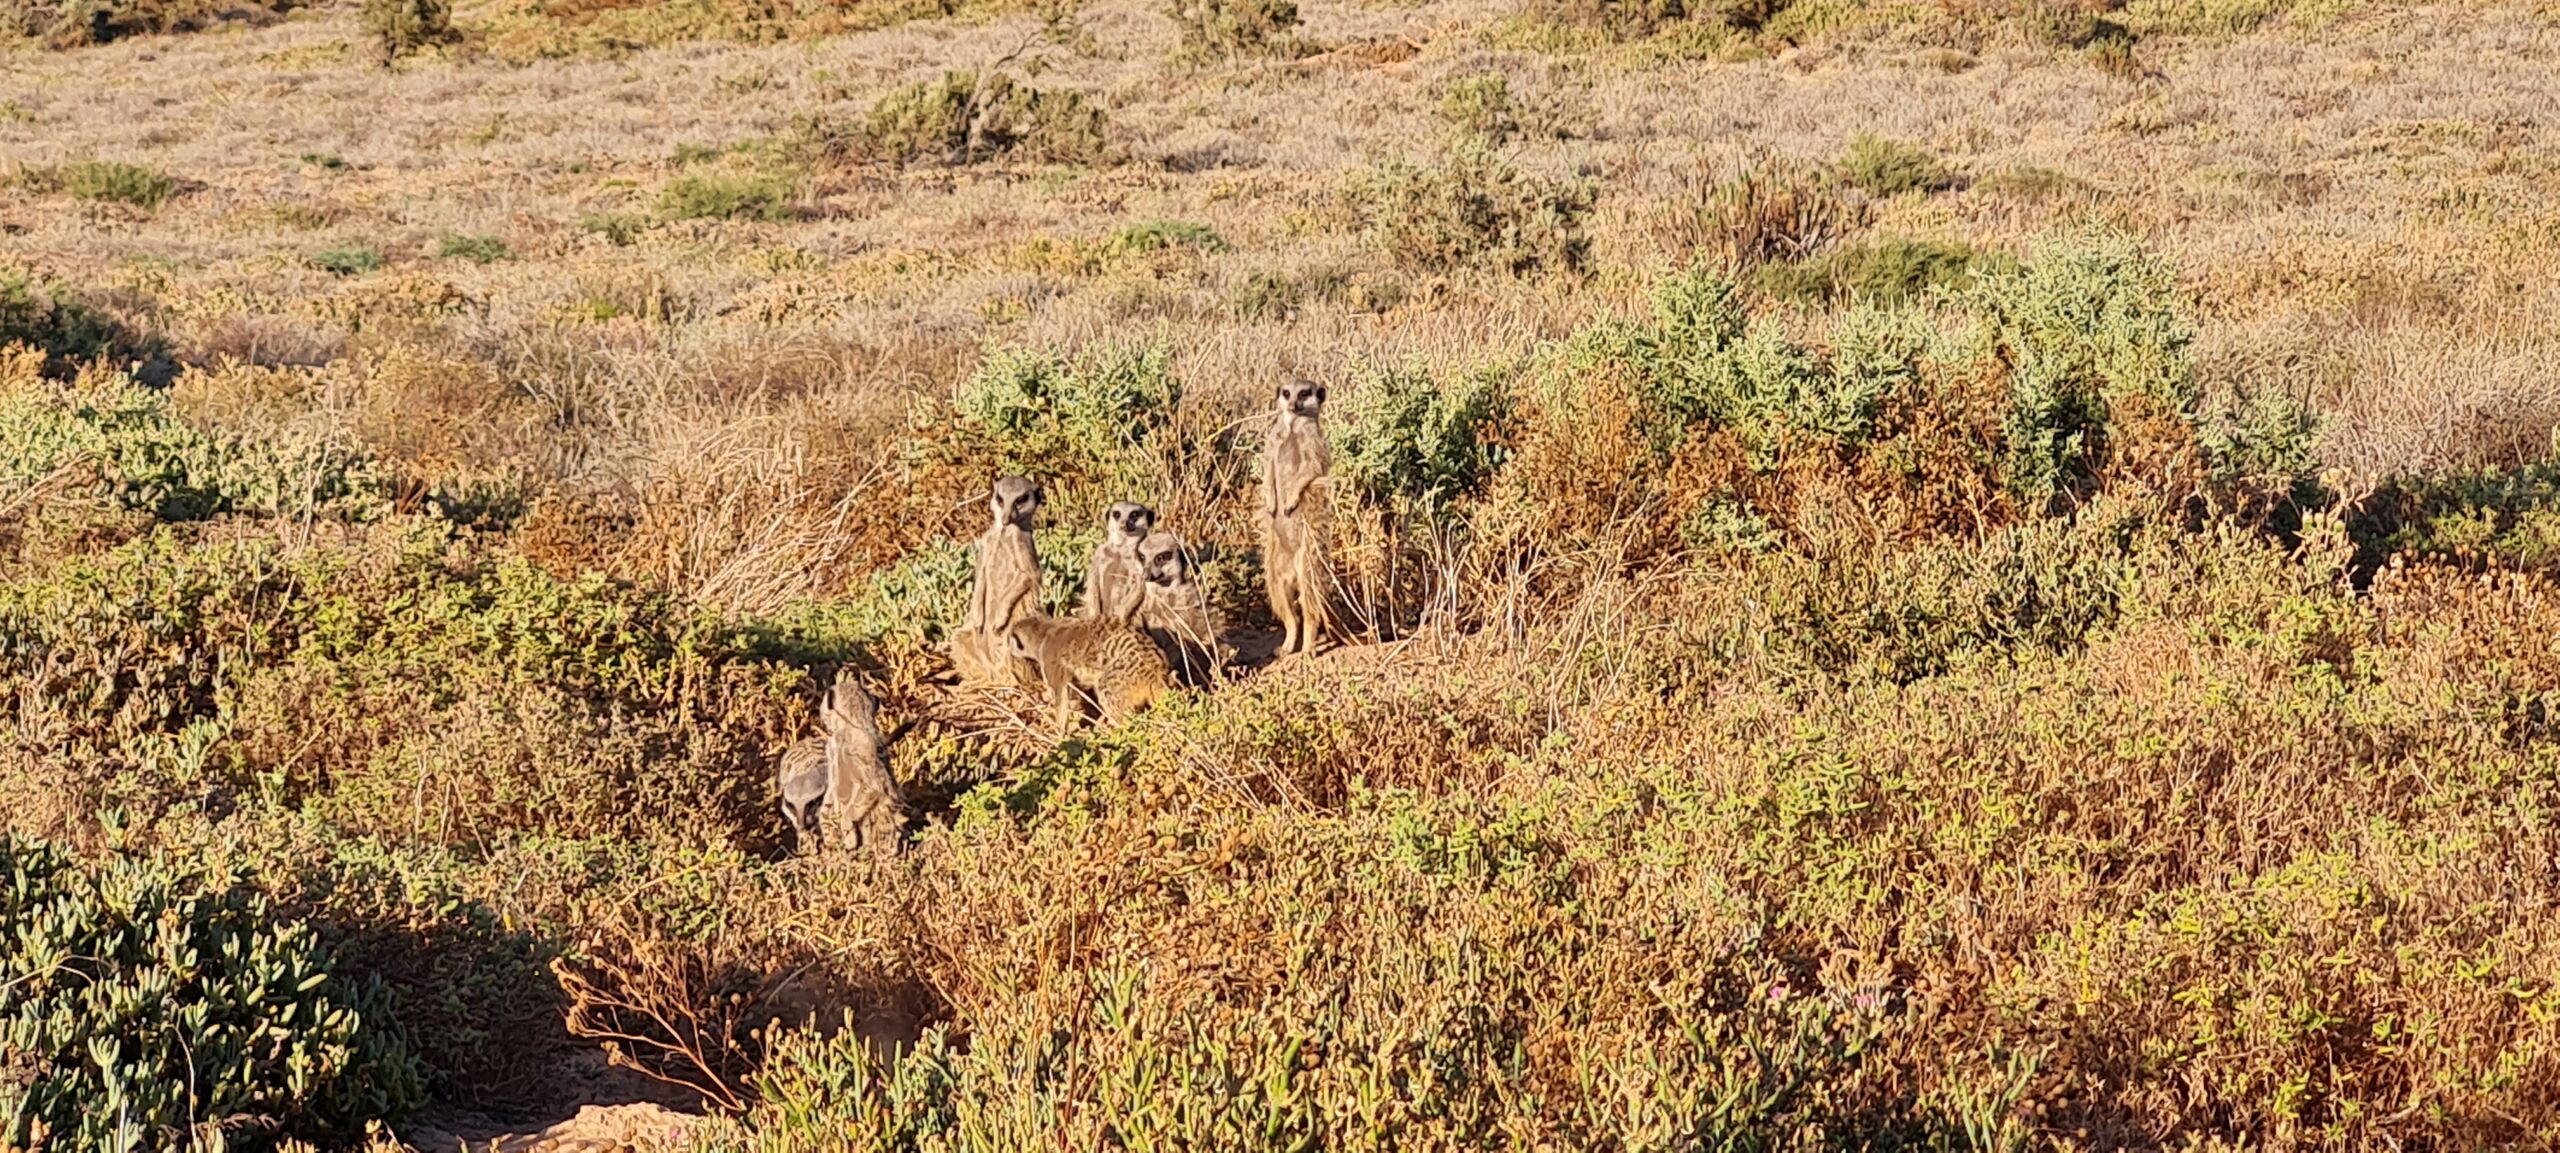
1013,501
1128,522
1302,397
1164,560
848,705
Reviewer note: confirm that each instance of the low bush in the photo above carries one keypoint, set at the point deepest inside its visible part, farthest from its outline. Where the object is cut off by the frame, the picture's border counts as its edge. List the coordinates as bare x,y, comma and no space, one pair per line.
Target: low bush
1894,270
1401,437
76,23
1771,209
1224,29
107,181
1166,235
52,318
1629,19
1472,209
402,27
347,259
2090,334
965,118
150,1003
725,196
1882,167
1093,422
476,249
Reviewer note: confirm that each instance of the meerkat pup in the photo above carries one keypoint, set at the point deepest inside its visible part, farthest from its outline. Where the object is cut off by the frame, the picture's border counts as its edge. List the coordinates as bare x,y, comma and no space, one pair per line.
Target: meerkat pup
836,787
1295,457
1005,589
1112,660
1114,583
1174,612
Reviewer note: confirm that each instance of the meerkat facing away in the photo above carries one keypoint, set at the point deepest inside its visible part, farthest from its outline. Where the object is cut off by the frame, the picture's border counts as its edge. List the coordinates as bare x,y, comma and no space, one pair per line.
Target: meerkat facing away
1110,659
1175,612
1294,569
836,787
1005,588
1114,583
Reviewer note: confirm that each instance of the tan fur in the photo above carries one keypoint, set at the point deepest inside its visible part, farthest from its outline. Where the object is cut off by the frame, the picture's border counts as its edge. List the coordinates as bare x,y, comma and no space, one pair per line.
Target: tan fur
1114,583
1294,568
1111,660
1174,612
1005,588
836,788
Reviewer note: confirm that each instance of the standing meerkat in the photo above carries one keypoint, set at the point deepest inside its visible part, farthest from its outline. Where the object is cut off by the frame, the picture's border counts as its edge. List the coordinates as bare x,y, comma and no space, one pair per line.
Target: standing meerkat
1174,613
836,787
1114,583
1112,660
1294,569
1005,589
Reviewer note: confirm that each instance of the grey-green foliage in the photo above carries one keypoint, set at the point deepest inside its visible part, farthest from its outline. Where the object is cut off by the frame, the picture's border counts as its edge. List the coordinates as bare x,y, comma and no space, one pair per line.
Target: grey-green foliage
967,117
1096,417
1706,361
147,1003
148,459
1402,436
2088,323
1472,208
48,316
1228,28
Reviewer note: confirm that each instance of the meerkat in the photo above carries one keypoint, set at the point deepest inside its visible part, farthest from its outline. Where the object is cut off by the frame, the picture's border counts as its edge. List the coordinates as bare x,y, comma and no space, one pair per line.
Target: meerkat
836,787
1295,457
1114,583
1005,589
1112,660
1174,613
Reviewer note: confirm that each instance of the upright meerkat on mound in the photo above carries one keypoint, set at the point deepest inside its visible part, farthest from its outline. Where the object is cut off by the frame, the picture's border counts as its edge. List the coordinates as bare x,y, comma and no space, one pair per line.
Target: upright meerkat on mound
1005,589
836,788
1174,612
1114,583
1112,660
1294,568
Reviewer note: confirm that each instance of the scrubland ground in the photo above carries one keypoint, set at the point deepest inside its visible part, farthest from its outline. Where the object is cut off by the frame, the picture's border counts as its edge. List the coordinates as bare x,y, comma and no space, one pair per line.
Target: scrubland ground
1970,574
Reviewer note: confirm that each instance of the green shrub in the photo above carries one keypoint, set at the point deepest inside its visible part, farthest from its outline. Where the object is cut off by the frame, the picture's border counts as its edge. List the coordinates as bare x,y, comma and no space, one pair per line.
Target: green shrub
476,249
1098,418
1884,167
1706,362
725,196
347,259
401,27
1471,209
109,181
2086,326
1224,29
620,229
1628,19
964,118
150,1003
48,316
74,23
1481,106
1402,437
2201,17
399,683
1160,235
143,457
1889,271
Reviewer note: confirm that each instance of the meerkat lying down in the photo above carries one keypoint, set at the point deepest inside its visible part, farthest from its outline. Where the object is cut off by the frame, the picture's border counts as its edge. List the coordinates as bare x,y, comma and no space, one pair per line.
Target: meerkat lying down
1113,661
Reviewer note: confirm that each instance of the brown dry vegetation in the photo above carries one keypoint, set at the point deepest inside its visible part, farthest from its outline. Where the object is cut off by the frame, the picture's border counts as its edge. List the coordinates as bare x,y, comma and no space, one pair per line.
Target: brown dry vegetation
1974,574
